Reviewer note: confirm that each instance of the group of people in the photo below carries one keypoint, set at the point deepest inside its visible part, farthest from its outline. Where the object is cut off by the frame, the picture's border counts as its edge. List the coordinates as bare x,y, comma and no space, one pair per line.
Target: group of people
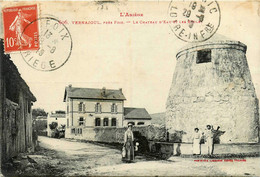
209,137
129,148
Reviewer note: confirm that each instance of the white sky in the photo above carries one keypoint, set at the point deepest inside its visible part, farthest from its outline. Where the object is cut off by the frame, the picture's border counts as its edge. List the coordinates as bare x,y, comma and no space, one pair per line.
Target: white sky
138,58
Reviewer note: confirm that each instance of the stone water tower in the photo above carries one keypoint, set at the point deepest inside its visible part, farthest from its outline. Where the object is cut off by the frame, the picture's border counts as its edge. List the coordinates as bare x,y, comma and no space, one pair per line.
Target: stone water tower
212,85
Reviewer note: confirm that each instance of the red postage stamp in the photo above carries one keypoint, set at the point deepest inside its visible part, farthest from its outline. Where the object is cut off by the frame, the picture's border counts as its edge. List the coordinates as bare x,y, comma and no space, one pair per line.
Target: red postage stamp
18,34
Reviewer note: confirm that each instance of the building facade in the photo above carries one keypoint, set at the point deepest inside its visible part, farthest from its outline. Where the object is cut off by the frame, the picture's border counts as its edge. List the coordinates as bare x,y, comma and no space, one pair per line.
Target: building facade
212,85
136,116
89,108
16,102
59,117
41,125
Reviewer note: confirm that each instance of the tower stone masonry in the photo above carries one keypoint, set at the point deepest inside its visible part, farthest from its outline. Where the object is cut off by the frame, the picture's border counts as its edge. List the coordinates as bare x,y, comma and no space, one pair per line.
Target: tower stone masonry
212,85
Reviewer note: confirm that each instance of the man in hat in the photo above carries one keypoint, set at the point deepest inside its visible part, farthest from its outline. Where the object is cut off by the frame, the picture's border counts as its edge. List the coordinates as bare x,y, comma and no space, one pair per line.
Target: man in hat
209,134
129,143
209,139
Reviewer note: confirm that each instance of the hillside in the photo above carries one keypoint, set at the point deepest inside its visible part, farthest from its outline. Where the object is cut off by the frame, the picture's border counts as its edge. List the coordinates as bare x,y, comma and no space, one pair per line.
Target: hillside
158,118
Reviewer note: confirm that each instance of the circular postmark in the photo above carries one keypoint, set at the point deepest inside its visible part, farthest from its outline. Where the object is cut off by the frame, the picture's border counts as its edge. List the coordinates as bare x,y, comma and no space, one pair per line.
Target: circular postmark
55,45
194,21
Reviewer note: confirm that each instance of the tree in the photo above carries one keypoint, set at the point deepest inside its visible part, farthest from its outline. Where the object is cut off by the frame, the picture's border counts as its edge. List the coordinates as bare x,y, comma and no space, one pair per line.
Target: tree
54,128
38,112
53,125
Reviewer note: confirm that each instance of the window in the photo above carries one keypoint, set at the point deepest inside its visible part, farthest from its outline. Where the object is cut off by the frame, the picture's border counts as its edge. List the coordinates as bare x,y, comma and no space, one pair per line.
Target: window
80,130
81,121
73,130
140,123
67,122
97,122
29,107
113,108
81,106
67,109
203,56
113,122
56,118
132,123
105,122
98,108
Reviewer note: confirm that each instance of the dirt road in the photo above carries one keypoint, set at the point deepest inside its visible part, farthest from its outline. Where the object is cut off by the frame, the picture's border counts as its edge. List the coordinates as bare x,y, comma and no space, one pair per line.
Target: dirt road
77,158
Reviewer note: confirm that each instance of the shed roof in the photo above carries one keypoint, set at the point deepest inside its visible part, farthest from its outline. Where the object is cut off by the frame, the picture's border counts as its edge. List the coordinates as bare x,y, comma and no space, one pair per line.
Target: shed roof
11,69
93,93
136,113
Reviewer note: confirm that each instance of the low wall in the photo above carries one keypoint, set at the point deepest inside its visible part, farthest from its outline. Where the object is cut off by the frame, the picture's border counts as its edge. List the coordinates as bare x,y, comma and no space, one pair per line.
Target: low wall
186,148
116,135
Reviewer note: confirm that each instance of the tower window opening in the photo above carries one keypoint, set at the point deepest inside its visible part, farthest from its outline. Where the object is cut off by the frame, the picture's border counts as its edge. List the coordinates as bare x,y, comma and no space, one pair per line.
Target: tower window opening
203,56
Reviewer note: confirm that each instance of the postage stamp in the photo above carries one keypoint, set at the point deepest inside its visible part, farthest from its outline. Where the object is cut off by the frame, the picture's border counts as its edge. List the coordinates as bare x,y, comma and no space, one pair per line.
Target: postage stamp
15,19
197,21
55,45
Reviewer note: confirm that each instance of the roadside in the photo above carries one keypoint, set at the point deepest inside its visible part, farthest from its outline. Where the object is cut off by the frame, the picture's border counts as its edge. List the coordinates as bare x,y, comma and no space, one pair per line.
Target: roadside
62,157
42,162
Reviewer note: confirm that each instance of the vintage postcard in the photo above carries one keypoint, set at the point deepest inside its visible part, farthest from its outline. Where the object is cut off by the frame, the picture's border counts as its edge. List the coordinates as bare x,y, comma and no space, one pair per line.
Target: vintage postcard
129,88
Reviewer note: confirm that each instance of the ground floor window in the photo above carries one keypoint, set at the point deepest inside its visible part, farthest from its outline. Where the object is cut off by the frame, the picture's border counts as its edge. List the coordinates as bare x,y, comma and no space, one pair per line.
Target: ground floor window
105,122
113,122
131,123
73,130
140,123
97,122
79,130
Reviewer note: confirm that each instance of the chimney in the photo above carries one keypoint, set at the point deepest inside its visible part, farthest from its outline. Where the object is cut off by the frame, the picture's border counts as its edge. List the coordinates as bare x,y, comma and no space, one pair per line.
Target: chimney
121,90
103,91
70,86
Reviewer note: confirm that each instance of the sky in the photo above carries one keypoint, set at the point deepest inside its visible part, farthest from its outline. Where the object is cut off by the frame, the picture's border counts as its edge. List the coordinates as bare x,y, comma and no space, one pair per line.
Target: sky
139,58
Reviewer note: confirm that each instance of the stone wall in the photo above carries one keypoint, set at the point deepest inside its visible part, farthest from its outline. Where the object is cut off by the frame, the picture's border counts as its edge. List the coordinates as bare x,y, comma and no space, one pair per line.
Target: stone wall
218,93
116,135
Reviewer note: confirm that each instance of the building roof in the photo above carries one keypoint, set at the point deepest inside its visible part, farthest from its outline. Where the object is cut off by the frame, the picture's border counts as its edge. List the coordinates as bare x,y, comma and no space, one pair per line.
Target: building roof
93,93
58,115
10,69
41,117
217,40
136,113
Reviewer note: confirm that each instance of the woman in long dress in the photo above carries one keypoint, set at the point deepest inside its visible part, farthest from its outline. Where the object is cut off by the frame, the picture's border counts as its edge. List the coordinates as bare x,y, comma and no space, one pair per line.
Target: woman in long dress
129,144
196,142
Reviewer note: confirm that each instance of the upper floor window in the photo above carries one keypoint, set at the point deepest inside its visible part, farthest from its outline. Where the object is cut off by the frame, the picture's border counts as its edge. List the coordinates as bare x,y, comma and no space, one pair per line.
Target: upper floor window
113,122
81,121
114,108
98,108
105,122
203,56
81,106
97,122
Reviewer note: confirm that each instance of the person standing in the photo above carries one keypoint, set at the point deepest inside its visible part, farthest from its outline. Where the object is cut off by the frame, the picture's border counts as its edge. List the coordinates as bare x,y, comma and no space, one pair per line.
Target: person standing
209,139
196,142
129,144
